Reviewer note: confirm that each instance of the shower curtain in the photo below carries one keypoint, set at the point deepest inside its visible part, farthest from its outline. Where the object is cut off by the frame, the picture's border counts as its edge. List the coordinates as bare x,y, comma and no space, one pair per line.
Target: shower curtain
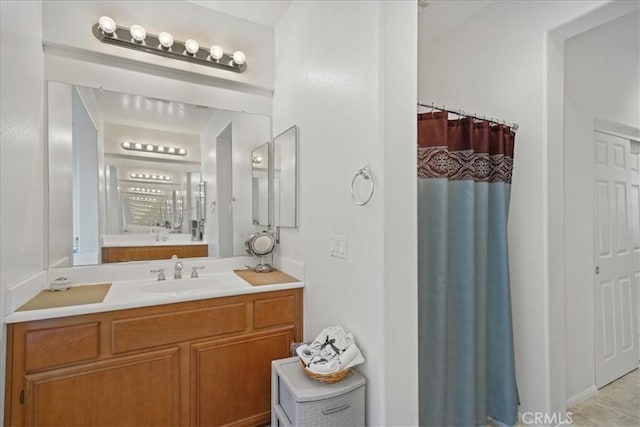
466,369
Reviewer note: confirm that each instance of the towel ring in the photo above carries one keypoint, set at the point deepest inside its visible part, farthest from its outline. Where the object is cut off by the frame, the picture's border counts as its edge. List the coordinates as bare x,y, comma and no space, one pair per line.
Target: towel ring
364,173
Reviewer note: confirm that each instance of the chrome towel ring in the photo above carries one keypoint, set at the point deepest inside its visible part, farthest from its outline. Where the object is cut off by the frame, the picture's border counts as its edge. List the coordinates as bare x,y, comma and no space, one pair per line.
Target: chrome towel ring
364,173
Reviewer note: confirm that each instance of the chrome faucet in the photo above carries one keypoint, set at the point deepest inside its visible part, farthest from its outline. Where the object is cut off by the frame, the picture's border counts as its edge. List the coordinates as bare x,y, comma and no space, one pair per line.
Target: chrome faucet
177,269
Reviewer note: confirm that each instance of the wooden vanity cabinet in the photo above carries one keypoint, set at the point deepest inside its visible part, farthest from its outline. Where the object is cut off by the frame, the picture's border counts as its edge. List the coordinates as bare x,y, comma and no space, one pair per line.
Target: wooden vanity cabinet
147,253
202,363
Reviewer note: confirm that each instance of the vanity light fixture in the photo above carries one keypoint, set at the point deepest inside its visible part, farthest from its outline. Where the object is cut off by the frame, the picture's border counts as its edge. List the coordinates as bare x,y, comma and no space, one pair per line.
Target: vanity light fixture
152,177
151,148
164,44
145,190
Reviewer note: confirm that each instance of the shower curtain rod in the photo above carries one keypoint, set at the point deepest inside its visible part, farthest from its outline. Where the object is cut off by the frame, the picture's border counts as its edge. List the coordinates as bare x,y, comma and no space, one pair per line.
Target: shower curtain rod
434,106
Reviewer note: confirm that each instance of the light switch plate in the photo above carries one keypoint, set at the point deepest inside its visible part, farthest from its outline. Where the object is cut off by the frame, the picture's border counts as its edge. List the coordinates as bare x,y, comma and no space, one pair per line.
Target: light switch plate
338,246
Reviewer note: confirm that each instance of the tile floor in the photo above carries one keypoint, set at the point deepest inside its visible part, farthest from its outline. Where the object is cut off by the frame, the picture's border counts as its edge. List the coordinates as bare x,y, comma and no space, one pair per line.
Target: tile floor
617,404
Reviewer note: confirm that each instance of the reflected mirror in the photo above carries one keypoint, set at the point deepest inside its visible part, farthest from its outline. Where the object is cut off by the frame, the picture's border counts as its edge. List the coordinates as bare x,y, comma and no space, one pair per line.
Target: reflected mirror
285,178
137,178
260,182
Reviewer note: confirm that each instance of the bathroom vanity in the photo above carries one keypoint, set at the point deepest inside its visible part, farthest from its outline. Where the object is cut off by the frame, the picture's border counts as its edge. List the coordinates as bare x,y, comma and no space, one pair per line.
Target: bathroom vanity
141,357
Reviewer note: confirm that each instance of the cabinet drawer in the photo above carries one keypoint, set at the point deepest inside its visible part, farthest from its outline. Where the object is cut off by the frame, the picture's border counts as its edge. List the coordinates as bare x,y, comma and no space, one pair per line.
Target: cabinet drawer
344,410
47,348
274,312
149,331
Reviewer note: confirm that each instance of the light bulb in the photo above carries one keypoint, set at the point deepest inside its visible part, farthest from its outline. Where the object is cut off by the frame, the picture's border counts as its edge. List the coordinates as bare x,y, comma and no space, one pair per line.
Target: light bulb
126,145
166,40
138,33
147,176
160,149
154,176
216,52
138,146
167,178
107,25
182,151
239,57
172,150
133,175
192,46
149,147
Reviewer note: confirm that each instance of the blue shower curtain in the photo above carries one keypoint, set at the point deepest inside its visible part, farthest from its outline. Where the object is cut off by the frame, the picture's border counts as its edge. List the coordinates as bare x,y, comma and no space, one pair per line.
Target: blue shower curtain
466,369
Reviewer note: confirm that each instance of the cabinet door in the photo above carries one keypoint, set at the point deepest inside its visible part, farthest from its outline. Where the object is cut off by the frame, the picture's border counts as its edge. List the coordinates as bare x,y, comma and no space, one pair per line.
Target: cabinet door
231,379
134,390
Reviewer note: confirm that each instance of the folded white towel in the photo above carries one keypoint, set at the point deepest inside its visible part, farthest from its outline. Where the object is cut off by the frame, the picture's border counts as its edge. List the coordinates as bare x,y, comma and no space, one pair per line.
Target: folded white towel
323,366
350,357
332,350
306,354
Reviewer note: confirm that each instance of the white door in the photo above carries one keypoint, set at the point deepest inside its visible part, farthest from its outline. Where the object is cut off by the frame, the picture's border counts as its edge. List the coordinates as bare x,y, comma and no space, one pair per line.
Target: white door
617,257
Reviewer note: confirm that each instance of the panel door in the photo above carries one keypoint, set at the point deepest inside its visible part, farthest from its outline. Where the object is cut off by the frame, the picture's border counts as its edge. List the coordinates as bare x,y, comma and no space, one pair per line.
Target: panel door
231,379
617,257
128,391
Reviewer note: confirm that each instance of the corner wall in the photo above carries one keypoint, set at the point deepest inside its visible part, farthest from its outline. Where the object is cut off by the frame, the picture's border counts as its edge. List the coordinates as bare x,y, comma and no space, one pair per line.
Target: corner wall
353,108
602,70
22,173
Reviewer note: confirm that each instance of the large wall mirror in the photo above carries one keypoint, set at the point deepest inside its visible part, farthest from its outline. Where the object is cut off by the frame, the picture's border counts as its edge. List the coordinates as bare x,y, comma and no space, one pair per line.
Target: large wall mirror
285,178
131,171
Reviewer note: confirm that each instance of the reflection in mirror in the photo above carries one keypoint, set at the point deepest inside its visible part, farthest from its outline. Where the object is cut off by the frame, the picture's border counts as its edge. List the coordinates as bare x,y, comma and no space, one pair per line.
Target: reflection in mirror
260,185
136,178
285,180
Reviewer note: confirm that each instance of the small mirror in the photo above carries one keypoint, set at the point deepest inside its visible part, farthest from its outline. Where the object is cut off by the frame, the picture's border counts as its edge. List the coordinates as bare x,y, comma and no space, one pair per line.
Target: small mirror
261,244
285,178
260,184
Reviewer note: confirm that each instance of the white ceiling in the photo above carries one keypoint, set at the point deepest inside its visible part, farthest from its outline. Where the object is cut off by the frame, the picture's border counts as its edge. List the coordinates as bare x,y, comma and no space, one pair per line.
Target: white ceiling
442,17
141,111
265,12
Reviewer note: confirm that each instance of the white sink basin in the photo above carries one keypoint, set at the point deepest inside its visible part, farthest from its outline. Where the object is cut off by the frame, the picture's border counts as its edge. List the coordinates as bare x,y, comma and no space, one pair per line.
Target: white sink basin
180,285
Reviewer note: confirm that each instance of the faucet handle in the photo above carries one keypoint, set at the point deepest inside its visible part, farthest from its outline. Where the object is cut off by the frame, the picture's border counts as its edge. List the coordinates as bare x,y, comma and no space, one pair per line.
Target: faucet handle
194,271
160,272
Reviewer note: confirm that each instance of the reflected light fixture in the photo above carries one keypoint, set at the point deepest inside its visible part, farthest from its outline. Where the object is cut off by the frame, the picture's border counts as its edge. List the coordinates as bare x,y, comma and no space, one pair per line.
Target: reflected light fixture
164,44
151,148
153,177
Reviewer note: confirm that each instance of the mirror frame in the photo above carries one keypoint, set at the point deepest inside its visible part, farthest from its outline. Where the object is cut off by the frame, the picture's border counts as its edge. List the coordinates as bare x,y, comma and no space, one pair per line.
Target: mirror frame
232,104
296,183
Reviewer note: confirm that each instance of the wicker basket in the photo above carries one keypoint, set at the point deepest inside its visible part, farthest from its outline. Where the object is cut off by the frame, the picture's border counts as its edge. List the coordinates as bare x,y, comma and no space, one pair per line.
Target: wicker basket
329,378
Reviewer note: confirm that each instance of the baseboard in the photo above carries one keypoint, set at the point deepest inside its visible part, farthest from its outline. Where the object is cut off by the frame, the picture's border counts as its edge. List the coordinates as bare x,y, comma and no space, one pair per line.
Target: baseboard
583,395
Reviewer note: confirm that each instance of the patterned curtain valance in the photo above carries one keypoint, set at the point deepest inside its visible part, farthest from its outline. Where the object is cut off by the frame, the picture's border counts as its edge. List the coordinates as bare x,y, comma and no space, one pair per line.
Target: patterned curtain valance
462,149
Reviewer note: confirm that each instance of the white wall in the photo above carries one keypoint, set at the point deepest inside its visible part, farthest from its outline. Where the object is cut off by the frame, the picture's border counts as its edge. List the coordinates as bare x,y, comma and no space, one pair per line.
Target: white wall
504,45
352,107
22,173
60,179
67,27
602,80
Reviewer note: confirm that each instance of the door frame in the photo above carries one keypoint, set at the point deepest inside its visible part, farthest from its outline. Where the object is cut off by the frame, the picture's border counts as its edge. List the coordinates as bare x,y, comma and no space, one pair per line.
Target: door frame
554,204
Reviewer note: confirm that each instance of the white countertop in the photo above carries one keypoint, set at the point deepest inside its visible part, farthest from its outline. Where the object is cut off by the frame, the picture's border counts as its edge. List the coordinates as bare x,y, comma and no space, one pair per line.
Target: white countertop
144,293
